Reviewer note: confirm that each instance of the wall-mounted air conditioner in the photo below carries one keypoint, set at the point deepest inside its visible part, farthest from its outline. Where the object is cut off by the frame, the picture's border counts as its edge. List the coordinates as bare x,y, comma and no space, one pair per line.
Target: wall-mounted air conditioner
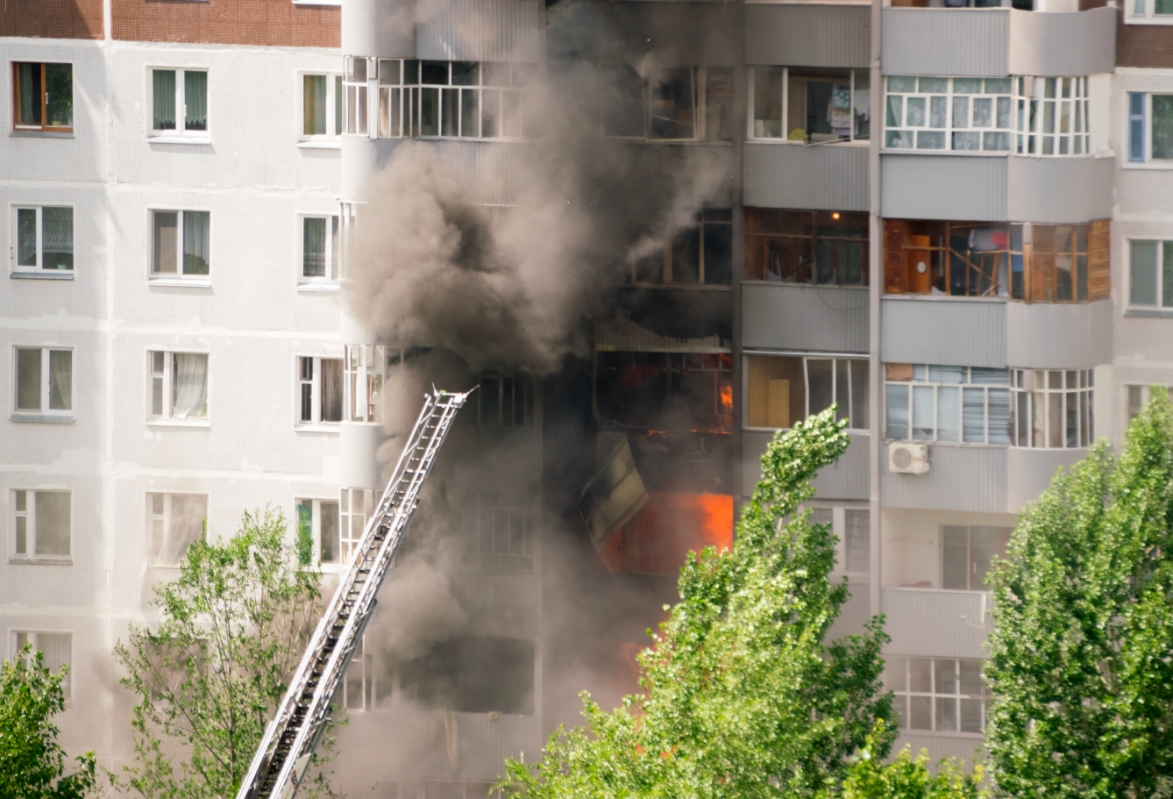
907,458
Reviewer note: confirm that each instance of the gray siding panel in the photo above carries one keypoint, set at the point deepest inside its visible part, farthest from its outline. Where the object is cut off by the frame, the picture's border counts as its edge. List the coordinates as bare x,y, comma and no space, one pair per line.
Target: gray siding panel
968,478
1059,189
1055,336
1058,44
921,186
807,35
776,316
925,623
816,177
845,479
487,169
479,30
1029,472
943,331
946,41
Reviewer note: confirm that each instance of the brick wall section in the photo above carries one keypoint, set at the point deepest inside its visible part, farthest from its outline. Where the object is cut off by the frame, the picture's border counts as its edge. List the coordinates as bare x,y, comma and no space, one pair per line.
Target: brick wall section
52,19
255,22
1139,45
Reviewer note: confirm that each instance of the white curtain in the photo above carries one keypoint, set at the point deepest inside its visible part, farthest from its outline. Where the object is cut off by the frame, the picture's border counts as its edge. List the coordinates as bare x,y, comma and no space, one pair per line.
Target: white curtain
195,242
191,385
184,525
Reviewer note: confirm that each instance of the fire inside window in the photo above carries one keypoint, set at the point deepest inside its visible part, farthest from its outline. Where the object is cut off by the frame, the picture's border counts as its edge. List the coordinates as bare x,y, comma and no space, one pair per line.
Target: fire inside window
666,391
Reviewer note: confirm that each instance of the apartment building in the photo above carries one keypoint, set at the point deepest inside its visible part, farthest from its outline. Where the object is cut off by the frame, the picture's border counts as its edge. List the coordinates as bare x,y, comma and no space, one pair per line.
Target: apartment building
945,216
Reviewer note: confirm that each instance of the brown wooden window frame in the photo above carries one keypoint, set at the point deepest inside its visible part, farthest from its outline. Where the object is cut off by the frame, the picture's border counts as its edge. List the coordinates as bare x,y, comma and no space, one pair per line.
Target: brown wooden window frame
16,98
758,240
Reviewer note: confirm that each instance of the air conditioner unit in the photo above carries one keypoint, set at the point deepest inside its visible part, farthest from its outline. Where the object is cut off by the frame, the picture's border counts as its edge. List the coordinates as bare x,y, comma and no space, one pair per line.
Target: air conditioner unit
907,458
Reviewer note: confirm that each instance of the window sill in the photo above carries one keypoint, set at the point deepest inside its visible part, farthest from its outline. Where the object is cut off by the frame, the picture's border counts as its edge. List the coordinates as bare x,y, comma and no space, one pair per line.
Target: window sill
40,560
1148,313
963,153
42,134
319,288
1147,21
180,282
959,298
180,139
318,144
1154,165
41,418
317,428
863,143
196,423
41,274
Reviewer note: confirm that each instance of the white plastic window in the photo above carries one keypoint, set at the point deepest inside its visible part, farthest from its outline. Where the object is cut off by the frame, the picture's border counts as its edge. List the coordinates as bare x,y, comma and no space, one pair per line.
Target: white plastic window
57,649
44,381
810,105
319,390
938,694
1053,409
320,517
321,106
181,244
321,243
852,530
957,404
355,506
178,385
174,522
179,102
44,238
1051,116
41,524
957,114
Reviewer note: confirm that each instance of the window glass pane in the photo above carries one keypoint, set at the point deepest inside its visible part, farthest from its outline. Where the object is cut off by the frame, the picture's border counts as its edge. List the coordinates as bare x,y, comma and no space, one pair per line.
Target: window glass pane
60,380
819,375
328,544
916,112
856,539
430,112
1136,143
971,715
718,254
896,402
986,543
948,413
165,242
185,526
946,714
1001,419
189,380
337,105
26,237
920,675
842,389
331,389
1167,274
945,677
28,380
973,415
28,83
922,412
671,105
955,558
195,86
196,225
59,95
52,522
1144,272
57,238
313,258
314,105
470,115
859,395
1162,129
164,99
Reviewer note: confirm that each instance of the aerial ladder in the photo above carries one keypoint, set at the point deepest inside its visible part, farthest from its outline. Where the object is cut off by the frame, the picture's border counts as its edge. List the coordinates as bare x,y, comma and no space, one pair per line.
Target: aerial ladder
290,739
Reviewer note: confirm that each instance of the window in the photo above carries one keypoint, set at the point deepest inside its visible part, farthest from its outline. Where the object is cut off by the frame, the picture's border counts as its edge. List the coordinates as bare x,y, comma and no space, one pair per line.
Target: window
174,521
1150,127
179,385
180,243
319,390
666,391
320,517
810,105
364,688
941,694
355,507
321,106
56,649
682,104
784,389
948,403
1149,10
502,400
42,97
826,248
1138,396
40,523
500,535
320,246
1151,274
44,381
179,101
1037,263
852,529
1054,408
44,238
700,254
366,366
1052,116
473,674
967,555
948,114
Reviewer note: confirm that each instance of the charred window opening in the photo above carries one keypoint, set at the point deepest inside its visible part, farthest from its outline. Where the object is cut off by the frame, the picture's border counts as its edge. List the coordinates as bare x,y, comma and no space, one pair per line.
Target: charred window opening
499,534
827,248
666,391
700,254
501,400
474,675
682,104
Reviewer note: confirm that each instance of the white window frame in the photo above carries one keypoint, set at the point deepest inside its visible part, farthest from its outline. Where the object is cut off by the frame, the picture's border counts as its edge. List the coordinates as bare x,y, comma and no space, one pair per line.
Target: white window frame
486,548
178,277
839,530
167,375
751,94
314,383
351,523
316,516
913,383
901,685
46,388
969,559
33,637
948,130
1161,244
860,363
333,252
366,679
180,131
334,93
1030,109
1136,396
364,376
29,514
165,519
39,268
1143,12
1147,160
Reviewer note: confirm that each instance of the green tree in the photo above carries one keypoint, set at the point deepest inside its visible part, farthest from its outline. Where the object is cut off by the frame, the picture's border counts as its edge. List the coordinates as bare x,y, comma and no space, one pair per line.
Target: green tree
869,777
32,763
741,696
1081,660
209,676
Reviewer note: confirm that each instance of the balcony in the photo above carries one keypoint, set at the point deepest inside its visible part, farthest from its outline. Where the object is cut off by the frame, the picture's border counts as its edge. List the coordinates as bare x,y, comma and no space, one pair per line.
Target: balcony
936,623
998,41
831,177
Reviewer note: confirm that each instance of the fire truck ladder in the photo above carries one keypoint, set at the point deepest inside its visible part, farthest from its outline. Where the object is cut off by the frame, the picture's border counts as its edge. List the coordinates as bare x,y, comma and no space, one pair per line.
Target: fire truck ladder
291,738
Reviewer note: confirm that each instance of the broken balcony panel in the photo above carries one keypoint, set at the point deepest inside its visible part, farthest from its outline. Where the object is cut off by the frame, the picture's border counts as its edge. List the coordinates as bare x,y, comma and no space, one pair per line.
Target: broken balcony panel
613,496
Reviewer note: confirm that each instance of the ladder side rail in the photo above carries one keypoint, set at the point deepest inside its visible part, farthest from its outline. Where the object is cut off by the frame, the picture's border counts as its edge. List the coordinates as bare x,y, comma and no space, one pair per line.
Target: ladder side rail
317,710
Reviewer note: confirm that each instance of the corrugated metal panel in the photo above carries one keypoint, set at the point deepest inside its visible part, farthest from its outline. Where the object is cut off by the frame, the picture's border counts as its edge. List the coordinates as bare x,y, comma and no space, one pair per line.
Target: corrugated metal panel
479,30
1056,44
923,186
1059,336
488,169
780,316
943,331
807,35
1059,189
831,177
845,479
923,622
946,41
854,613
940,747
1029,472
485,742
971,478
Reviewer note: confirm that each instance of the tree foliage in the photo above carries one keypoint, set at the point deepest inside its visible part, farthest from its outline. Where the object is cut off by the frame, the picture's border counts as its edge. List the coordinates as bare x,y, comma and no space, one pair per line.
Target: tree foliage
1081,660
741,696
32,763
208,678
869,777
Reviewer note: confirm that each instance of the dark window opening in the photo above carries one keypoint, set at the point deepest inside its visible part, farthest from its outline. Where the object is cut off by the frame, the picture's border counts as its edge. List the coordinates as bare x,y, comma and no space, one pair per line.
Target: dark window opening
474,675
666,391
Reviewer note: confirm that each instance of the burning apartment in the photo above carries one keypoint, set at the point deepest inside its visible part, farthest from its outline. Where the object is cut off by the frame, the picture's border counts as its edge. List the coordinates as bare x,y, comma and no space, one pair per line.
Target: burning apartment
245,236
